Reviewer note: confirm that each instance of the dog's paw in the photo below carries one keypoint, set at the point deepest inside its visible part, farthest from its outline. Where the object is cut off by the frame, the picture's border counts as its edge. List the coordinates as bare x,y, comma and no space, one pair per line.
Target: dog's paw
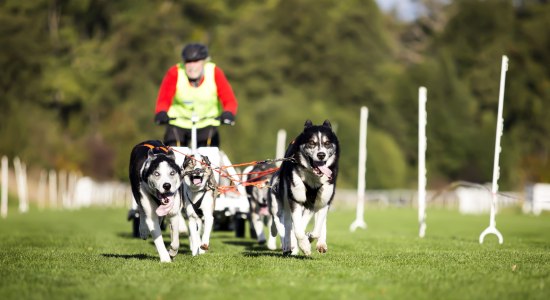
172,251
143,232
271,244
305,246
165,259
322,248
204,247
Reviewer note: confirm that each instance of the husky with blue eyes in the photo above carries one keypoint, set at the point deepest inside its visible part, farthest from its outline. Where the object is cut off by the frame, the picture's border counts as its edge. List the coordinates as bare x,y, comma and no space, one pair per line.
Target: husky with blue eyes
156,182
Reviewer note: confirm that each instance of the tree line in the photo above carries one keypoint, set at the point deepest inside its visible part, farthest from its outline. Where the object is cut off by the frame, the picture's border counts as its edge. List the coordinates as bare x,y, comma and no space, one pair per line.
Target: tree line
79,81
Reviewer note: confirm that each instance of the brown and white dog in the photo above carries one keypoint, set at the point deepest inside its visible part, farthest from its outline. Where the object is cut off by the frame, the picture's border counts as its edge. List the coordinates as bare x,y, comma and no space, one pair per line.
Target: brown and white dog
199,194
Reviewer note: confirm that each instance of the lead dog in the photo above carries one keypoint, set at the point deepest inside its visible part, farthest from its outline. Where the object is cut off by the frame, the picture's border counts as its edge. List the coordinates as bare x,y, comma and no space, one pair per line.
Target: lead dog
156,186
304,187
200,190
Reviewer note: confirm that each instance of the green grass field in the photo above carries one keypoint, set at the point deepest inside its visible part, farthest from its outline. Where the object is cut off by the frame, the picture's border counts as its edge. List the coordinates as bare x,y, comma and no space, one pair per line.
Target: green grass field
89,254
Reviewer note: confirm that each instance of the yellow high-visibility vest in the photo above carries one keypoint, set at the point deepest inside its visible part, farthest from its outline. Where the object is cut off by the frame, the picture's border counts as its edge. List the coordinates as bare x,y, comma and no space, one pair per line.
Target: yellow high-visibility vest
202,100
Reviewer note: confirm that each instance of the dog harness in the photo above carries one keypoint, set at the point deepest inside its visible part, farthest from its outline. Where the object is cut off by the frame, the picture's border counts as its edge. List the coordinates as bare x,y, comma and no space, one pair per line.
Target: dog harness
197,206
156,147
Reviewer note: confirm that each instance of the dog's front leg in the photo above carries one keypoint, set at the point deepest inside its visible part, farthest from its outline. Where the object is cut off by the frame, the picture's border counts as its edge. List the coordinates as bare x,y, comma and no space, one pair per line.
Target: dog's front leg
300,229
208,211
194,235
175,235
144,230
208,223
258,225
320,230
287,227
154,226
322,246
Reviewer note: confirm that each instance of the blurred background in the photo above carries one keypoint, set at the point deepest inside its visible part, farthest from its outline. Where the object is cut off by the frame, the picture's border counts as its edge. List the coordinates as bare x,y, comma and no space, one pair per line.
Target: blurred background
79,80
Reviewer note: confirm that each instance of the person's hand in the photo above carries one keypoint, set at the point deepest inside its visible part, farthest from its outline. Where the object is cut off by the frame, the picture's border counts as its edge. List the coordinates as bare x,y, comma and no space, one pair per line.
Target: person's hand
161,118
227,118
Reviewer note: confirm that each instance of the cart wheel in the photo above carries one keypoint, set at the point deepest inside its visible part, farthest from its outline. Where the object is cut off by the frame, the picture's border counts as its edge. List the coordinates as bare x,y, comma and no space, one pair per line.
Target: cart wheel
240,224
134,217
135,227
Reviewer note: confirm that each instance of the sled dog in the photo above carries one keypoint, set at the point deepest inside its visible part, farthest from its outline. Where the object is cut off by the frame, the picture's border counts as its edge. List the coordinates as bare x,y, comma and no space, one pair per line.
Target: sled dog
199,192
257,197
156,182
304,188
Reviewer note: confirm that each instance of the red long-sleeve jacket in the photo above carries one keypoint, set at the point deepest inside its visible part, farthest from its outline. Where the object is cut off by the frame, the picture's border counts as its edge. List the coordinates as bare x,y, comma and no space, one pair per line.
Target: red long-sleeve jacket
168,90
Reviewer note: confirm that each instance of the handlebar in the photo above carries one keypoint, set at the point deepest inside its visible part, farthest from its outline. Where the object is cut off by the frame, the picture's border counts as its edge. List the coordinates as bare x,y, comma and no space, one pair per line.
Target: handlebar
196,119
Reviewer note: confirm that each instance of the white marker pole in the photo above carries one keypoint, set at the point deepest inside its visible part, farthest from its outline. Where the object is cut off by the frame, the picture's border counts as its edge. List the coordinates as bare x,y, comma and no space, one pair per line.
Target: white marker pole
4,205
496,169
21,178
422,120
360,220
280,148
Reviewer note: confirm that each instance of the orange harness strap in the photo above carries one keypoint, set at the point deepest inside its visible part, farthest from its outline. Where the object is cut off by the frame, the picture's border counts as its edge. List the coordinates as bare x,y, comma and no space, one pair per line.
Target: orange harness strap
153,147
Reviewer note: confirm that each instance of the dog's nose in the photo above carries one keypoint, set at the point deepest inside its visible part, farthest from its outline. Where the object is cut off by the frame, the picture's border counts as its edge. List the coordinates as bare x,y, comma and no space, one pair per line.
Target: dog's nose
167,186
321,155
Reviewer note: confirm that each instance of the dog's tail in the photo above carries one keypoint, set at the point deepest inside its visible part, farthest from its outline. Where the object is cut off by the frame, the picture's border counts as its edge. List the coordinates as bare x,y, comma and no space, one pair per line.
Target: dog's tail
273,227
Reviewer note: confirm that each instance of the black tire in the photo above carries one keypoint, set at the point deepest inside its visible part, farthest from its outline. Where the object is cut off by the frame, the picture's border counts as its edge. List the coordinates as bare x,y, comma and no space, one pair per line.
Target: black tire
240,226
135,227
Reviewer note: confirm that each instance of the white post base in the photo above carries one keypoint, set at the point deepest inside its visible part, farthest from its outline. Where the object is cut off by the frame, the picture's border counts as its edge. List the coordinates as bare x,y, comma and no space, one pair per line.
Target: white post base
422,229
357,224
493,230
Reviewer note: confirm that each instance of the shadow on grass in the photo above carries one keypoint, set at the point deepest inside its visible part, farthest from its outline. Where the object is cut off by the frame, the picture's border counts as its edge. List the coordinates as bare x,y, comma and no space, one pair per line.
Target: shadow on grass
274,253
127,235
130,256
248,245
253,249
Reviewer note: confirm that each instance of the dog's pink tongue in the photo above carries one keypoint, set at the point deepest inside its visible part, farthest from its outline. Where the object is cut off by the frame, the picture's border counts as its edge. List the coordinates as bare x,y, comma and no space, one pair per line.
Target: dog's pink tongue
164,209
197,181
325,170
264,211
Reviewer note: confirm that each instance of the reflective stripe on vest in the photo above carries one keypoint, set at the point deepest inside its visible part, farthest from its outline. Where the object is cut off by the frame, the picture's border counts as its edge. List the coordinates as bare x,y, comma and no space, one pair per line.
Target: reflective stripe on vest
203,100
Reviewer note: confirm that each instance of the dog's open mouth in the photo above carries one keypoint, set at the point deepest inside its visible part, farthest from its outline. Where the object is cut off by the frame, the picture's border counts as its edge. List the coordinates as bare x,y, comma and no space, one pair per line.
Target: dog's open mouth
166,203
320,168
196,179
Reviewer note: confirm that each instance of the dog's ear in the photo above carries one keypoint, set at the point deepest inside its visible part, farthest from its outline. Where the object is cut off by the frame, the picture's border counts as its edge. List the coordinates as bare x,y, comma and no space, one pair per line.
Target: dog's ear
170,154
308,124
186,161
151,154
147,163
327,124
206,160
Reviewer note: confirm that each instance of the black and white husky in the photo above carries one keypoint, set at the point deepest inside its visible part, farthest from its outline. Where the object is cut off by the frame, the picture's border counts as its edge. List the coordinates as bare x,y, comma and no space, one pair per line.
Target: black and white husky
256,176
200,190
156,186
304,188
